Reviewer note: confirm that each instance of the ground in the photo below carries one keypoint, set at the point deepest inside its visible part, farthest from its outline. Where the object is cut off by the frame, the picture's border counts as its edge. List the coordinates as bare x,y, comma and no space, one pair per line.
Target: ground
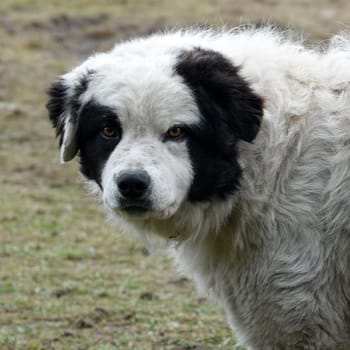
68,278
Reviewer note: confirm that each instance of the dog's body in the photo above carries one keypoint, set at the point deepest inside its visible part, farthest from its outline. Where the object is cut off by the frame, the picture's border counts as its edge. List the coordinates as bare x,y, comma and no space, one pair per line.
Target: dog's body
235,148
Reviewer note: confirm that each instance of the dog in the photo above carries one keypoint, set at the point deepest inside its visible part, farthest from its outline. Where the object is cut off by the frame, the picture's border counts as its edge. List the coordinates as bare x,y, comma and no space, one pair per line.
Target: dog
233,149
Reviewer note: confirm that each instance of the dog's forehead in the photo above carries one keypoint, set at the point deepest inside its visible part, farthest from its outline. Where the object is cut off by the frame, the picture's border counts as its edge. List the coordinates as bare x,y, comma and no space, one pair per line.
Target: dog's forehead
144,91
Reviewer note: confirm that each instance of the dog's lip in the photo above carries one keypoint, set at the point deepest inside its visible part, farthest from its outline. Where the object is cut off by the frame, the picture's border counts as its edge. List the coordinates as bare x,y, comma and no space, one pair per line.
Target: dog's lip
142,209
134,208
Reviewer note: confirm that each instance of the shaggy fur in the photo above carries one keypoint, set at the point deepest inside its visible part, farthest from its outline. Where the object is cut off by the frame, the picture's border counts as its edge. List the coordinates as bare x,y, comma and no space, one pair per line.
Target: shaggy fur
253,197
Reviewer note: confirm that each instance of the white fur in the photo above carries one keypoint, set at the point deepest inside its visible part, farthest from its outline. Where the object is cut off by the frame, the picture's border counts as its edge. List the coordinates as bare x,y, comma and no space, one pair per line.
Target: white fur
276,254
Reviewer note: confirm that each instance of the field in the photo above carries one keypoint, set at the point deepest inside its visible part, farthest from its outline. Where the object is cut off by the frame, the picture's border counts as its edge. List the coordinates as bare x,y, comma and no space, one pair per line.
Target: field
69,279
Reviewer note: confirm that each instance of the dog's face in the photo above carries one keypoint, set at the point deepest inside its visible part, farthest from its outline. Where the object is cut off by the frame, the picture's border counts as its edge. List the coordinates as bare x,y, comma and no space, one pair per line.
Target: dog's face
154,131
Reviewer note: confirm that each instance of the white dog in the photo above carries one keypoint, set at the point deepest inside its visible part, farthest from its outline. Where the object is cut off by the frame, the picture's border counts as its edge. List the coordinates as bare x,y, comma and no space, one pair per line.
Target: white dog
234,147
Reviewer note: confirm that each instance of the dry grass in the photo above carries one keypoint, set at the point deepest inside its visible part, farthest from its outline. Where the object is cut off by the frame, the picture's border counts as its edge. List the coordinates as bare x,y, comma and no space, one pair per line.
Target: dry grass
68,280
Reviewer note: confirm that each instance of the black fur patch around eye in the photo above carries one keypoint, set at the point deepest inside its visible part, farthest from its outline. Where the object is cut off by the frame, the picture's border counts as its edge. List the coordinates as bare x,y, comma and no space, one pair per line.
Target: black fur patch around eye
95,149
230,111
214,160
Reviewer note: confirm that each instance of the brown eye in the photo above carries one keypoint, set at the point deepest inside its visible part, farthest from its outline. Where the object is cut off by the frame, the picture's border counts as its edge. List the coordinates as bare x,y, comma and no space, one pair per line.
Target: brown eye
174,132
109,132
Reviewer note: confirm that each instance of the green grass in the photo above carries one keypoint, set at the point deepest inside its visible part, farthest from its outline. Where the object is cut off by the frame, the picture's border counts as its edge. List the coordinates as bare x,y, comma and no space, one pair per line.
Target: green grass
69,280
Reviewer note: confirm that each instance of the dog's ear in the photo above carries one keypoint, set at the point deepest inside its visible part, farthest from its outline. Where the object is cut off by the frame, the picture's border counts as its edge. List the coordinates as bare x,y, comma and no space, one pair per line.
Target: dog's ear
221,92
63,107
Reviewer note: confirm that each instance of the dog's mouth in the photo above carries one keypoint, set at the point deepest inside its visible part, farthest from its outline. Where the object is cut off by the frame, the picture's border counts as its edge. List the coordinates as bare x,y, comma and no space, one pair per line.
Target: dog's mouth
135,208
140,209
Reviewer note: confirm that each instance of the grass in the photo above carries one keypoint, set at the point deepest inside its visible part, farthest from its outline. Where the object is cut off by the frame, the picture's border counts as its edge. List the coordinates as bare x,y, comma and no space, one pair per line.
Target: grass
69,280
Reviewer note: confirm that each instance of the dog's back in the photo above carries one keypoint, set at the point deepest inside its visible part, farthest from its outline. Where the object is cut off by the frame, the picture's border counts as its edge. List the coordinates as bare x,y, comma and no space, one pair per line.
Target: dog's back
282,261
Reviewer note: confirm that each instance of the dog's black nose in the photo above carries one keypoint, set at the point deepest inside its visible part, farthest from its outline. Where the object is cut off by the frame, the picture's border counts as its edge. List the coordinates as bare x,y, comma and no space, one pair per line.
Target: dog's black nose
133,184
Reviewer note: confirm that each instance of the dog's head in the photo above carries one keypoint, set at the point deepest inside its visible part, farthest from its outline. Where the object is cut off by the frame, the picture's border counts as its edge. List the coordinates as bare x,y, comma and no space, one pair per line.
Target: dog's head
155,130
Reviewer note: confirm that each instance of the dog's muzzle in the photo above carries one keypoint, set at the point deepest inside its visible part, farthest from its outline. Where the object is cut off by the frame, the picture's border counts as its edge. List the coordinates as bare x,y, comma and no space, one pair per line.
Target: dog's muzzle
134,188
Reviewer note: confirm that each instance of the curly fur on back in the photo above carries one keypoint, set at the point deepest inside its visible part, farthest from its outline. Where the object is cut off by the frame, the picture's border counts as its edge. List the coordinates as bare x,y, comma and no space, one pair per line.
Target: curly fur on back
280,260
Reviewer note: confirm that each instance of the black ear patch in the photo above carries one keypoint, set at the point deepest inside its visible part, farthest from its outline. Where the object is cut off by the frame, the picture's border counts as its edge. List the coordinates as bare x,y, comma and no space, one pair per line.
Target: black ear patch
57,105
220,92
64,101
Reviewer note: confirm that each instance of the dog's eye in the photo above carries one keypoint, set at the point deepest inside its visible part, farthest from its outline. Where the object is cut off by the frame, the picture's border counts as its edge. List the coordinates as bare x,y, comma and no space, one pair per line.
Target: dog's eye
109,132
175,132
